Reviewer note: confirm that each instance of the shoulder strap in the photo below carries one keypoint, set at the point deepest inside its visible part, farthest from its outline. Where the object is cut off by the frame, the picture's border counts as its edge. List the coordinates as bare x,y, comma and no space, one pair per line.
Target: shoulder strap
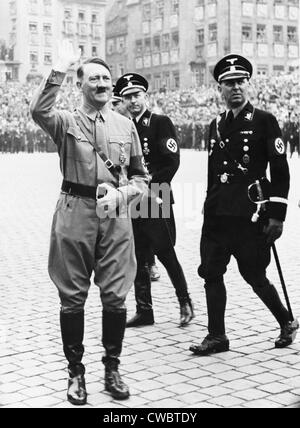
107,162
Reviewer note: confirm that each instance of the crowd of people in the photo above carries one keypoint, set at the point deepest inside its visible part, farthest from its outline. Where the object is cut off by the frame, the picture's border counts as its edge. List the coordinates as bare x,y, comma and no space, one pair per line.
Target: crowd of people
191,111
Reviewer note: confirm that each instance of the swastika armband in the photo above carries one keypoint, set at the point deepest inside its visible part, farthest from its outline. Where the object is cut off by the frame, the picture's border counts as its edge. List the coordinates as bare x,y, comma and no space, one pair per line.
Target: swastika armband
276,147
169,145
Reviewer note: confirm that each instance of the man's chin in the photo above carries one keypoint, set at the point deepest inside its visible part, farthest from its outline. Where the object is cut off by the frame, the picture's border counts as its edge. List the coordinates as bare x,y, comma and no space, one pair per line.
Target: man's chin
237,103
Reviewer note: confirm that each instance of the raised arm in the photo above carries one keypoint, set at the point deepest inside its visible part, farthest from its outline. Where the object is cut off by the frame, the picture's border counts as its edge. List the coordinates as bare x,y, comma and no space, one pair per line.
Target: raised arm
42,109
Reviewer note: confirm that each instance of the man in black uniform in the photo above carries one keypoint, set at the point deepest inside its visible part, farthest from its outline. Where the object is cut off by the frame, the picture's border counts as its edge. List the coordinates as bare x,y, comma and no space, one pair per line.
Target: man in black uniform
161,153
243,141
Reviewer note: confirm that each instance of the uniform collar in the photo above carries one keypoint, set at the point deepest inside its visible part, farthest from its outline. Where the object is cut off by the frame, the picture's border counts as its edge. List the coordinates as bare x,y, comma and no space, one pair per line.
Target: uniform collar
138,118
248,108
91,113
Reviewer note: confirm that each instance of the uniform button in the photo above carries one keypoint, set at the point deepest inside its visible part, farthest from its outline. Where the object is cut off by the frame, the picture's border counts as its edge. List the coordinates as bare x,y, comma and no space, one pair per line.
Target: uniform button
225,163
246,149
246,140
226,141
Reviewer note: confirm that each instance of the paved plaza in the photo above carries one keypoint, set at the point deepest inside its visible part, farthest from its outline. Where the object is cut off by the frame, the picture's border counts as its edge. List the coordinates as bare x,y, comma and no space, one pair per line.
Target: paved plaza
156,362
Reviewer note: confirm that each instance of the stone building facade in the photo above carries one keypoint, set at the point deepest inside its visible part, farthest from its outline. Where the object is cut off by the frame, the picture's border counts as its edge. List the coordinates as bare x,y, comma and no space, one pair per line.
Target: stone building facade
175,43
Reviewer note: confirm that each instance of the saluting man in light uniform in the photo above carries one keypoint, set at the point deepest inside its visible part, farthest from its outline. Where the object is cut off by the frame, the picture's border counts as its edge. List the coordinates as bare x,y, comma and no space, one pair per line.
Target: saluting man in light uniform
243,142
101,164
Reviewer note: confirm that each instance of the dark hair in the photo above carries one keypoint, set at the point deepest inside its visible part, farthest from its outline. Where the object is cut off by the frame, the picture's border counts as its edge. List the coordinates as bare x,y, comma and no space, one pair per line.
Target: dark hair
93,60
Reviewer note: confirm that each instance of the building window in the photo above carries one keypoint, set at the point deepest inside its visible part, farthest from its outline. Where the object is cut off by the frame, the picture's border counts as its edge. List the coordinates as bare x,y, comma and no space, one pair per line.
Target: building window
95,18
199,3
147,45
33,33
47,28
292,34
47,7
81,16
138,47
33,57
156,44
247,8
175,7
247,33
147,12
94,51
212,32
33,27
110,46
159,8
262,70
12,8
278,69
121,44
33,7
200,36
47,58
166,42
175,40
262,8
278,33
82,48
261,34
176,80
67,14
212,9
121,69
279,9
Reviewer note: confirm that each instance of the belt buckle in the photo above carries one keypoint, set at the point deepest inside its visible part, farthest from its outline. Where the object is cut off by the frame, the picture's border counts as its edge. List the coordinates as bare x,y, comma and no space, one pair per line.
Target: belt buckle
109,164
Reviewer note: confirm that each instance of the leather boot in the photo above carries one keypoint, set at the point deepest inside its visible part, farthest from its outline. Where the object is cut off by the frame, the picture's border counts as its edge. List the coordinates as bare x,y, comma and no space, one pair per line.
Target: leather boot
142,286
76,389
287,335
113,329
270,297
113,381
186,310
141,318
72,330
211,345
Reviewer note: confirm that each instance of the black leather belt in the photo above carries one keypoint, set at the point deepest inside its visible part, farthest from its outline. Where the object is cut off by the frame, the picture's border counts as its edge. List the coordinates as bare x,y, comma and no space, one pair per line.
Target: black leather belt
81,190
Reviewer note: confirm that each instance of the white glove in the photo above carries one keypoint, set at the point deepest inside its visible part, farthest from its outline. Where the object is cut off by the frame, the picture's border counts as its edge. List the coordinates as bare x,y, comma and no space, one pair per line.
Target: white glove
107,205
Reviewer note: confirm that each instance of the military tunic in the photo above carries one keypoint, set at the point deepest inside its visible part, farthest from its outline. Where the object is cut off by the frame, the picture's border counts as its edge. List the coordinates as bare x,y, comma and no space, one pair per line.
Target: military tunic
81,242
239,154
161,153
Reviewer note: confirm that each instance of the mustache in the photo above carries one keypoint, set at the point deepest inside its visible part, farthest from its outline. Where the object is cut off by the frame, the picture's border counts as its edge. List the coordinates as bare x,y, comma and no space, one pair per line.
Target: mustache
101,90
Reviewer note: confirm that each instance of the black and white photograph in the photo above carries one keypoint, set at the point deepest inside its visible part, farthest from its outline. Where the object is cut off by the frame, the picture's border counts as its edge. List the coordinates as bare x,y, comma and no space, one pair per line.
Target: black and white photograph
150,207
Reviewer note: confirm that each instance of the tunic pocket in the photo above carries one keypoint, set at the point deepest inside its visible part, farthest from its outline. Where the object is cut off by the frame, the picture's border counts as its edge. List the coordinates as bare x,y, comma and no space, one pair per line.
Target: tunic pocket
78,146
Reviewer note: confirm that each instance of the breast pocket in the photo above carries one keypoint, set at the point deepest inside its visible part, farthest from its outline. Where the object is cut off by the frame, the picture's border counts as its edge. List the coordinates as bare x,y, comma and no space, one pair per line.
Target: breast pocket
78,146
120,149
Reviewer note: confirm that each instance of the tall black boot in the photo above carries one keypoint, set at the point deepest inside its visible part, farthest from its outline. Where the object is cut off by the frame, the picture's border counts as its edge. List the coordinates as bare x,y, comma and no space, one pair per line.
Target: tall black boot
177,277
72,331
113,329
216,341
288,329
270,297
142,287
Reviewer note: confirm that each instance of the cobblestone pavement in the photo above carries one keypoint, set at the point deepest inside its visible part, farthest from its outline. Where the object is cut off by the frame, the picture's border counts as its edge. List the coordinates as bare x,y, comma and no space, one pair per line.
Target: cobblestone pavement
156,362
